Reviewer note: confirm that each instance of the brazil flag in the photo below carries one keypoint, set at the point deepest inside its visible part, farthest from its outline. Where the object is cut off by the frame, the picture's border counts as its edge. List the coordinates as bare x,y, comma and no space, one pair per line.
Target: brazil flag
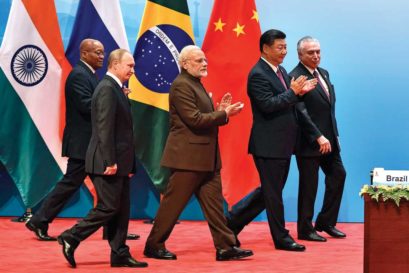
165,29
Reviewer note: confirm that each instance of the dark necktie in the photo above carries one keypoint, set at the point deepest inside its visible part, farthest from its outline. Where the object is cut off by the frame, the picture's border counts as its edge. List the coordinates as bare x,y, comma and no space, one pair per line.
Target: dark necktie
124,90
280,76
320,83
95,79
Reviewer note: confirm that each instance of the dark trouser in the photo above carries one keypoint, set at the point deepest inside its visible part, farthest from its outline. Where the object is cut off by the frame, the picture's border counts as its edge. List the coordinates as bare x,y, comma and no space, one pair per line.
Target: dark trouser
208,190
335,175
246,210
273,175
111,210
59,196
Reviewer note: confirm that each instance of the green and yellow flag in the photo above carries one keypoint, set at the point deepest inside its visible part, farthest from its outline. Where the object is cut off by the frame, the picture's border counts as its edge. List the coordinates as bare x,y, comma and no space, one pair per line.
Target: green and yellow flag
165,29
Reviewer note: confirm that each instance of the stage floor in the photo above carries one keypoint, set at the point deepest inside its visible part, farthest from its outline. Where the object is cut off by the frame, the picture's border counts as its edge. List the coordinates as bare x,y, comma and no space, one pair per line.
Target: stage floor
20,251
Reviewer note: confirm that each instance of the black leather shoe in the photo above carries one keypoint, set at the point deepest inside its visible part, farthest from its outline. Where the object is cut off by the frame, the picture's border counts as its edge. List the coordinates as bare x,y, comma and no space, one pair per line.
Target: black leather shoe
162,254
290,247
233,253
312,236
128,262
132,236
68,249
129,236
332,231
41,233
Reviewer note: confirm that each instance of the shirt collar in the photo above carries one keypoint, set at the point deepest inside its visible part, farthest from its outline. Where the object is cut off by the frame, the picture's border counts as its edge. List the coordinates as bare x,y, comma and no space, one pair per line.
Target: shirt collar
115,78
310,69
275,68
90,67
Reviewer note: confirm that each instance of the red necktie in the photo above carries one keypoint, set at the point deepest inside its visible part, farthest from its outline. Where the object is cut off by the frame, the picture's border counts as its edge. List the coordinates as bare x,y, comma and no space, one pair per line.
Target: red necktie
280,76
320,83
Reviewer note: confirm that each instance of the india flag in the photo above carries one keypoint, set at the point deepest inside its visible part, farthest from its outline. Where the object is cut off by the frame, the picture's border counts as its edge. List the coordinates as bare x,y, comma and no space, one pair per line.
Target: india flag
33,68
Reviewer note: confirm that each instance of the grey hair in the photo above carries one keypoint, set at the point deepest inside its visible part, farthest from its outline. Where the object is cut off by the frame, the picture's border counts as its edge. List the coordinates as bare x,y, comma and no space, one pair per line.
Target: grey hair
185,52
300,43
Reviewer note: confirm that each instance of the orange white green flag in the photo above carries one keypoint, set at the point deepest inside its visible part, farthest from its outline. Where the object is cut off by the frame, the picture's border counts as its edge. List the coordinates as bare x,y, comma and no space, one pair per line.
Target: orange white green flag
33,69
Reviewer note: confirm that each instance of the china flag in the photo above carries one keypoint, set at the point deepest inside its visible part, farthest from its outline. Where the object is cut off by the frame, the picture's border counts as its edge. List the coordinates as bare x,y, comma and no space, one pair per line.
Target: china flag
231,47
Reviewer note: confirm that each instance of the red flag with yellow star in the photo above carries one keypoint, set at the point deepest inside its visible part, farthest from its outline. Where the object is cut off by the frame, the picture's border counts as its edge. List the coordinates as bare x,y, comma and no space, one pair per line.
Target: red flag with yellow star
231,47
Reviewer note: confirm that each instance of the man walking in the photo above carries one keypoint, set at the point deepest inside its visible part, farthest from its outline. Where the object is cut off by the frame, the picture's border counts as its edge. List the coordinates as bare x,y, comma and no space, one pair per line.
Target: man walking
109,160
192,154
318,147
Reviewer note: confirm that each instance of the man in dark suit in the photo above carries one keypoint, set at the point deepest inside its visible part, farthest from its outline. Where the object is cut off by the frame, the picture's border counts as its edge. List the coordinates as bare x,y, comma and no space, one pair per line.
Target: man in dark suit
318,147
274,132
79,87
192,154
109,160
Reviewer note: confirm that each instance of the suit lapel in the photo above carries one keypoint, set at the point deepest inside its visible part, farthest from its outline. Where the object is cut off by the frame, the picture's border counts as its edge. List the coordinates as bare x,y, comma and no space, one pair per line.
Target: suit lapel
318,87
273,76
123,100
322,93
330,91
93,76
285,76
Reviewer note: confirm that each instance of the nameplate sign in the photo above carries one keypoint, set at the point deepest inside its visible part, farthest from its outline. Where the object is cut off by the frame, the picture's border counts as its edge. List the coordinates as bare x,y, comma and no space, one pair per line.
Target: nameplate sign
380,176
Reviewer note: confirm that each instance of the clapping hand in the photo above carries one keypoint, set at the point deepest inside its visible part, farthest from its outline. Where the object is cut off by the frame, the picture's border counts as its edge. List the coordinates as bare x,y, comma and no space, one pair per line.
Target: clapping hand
225,102
308,86
297,84
234,109
301,85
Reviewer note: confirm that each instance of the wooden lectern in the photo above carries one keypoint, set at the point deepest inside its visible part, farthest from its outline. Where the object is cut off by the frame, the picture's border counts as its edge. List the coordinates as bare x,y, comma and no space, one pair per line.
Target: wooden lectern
386,236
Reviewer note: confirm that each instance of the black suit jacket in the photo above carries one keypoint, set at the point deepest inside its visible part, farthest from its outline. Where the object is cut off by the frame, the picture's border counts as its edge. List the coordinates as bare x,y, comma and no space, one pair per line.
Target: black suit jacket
112,134
274,130
316,115
79,88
